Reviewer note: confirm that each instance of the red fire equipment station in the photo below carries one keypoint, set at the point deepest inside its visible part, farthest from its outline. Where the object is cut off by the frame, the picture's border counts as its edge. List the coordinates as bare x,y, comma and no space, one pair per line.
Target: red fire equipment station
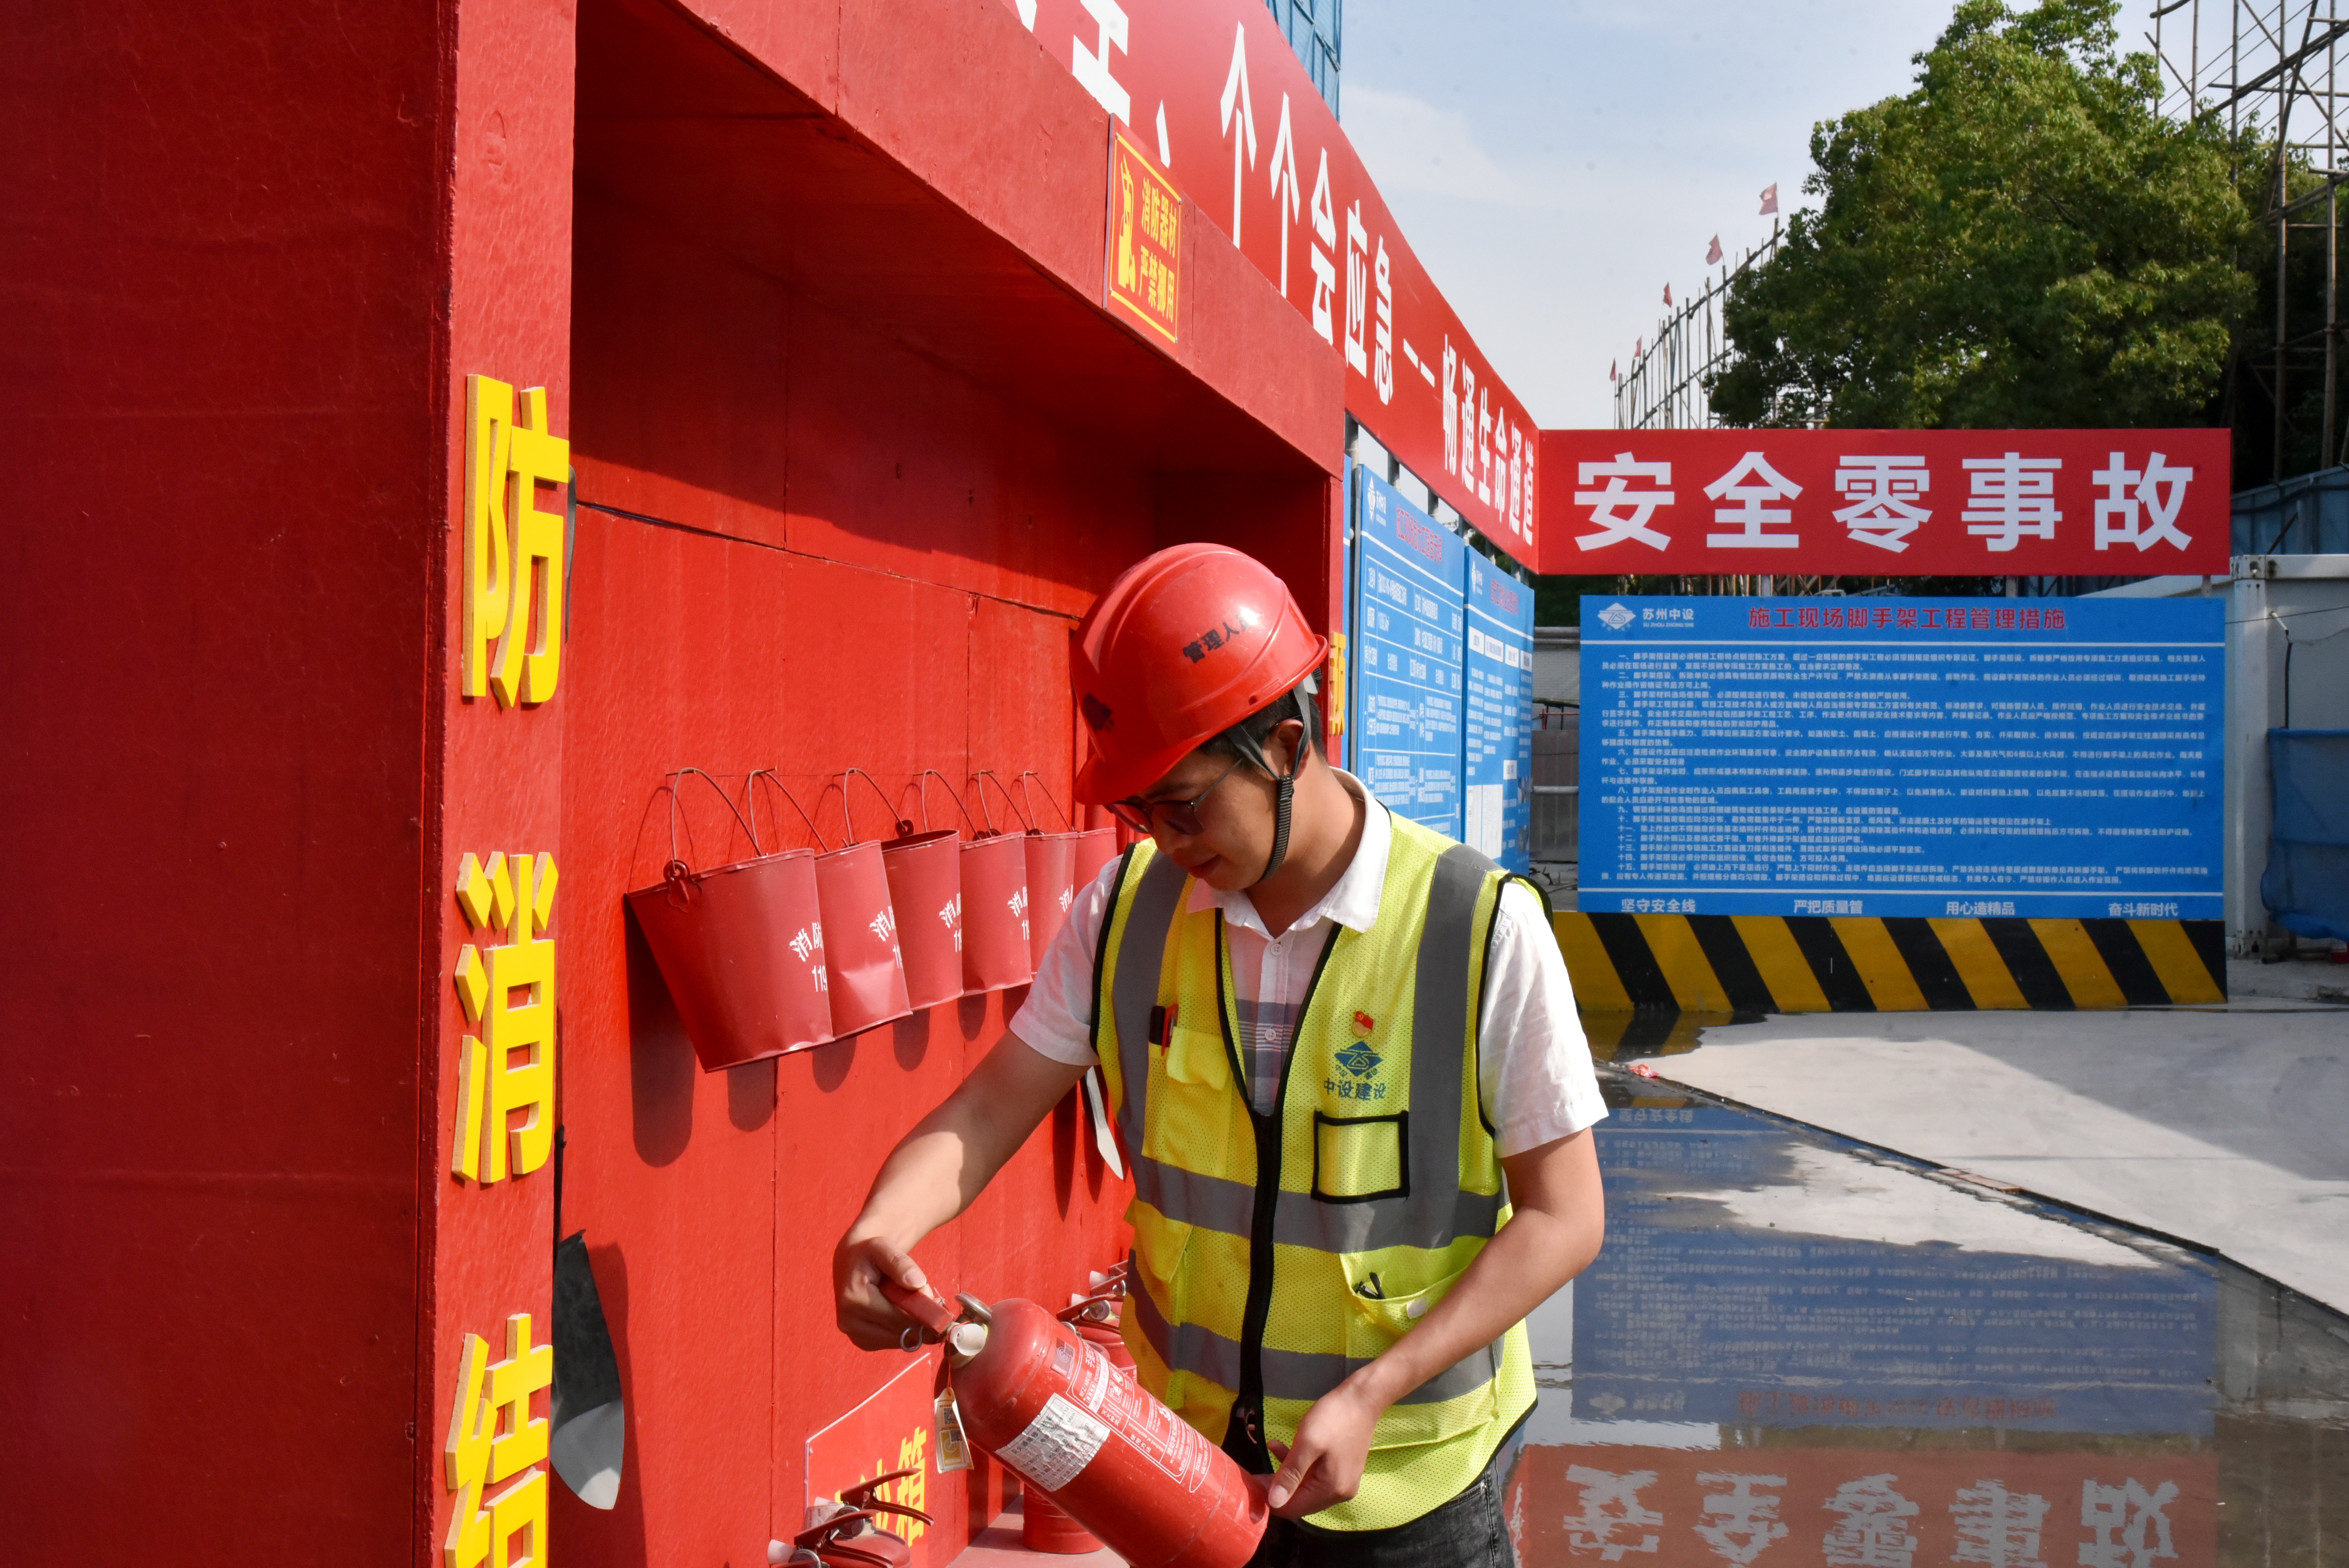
526,514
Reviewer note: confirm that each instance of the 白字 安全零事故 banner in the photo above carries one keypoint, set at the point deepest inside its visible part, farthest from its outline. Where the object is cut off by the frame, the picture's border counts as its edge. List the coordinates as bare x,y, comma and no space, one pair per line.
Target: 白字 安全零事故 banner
1879,756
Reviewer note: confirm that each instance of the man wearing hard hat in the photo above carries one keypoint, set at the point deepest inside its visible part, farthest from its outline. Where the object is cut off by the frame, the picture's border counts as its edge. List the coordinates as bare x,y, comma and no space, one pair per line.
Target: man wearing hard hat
1344,1054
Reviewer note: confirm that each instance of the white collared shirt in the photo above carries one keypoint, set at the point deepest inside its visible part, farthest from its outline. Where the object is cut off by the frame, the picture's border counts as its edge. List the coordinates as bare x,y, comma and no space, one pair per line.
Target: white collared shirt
1534,1065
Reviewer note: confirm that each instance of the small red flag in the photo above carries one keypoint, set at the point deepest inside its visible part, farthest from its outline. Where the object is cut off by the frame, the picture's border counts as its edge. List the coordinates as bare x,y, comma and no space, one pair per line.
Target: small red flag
1769,200
1668,294
1713,255
1613,374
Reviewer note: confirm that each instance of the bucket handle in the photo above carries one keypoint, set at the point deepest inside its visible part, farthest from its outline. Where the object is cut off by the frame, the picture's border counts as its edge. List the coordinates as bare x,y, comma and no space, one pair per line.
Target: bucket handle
922,791
1068,823
774,782
980,778
905,825
677,873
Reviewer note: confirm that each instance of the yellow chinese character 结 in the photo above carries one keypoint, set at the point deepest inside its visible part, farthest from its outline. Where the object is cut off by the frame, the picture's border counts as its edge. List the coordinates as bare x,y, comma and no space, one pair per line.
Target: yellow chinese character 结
493,1437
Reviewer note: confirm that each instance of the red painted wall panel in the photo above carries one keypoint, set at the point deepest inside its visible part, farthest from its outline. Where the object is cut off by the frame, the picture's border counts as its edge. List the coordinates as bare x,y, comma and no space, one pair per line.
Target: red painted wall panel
217,269
249,292
861,558
493,775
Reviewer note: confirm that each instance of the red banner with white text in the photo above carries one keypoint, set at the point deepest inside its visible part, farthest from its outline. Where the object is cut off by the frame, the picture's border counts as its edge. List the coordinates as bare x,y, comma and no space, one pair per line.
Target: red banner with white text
1211,88
1886,502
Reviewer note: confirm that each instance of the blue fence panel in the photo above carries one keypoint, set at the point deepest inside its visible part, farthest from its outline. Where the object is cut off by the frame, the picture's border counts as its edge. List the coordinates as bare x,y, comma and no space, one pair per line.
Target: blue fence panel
2307,884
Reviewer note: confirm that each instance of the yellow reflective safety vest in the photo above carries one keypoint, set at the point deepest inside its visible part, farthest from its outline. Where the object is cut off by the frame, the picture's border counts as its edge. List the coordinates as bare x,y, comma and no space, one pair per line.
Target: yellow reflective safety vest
1276,1254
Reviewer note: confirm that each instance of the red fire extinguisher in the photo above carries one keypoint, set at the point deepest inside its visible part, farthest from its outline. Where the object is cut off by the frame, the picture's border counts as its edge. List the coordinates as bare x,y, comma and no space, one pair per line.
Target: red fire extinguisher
1043,1525
1049,1403
852,1537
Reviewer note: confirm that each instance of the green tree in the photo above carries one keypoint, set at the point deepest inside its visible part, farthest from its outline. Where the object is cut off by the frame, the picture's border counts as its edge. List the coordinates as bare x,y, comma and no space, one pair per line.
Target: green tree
2022,241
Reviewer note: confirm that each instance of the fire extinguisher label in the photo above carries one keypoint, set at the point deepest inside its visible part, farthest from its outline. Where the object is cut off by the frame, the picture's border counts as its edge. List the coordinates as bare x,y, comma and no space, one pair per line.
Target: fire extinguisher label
1092,1380
1057,1446
953,1448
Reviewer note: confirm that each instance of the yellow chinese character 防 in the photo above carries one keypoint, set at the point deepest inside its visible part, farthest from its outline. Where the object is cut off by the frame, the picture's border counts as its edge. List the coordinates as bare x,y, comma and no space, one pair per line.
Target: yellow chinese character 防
513,550
493,1438
510,1066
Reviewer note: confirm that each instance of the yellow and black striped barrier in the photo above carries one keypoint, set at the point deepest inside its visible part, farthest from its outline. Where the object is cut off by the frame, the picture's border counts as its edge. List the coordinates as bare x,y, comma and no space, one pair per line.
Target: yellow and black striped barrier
1730,963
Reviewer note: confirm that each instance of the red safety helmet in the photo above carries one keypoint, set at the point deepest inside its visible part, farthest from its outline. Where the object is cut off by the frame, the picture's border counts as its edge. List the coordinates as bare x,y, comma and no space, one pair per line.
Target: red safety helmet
1184,645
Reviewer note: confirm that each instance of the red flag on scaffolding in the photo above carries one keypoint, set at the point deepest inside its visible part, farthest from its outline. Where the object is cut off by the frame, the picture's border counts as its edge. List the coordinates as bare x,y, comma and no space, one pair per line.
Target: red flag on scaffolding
1668,297
1613,374
1713,255
1769,200
1635,347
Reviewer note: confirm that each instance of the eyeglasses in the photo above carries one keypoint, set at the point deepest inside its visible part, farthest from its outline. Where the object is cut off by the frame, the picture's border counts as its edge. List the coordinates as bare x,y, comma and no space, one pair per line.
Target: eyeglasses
1180,818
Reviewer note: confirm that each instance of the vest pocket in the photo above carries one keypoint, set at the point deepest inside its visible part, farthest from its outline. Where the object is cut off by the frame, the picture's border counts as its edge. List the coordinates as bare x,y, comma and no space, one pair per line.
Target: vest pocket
1377,1323
1361,1158
1196,1056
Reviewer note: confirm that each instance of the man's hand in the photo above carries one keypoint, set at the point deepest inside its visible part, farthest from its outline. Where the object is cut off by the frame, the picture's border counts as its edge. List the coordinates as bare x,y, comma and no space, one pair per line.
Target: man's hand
1324,1465
869,1318
933,1176
1557,1220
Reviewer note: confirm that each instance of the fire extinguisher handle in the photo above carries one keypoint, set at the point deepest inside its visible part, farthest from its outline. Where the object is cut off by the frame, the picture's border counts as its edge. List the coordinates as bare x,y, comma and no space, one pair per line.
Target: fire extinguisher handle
864,1495
920,1305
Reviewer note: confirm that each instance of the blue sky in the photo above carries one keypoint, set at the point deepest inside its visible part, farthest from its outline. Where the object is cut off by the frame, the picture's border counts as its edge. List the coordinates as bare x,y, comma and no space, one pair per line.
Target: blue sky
1556,163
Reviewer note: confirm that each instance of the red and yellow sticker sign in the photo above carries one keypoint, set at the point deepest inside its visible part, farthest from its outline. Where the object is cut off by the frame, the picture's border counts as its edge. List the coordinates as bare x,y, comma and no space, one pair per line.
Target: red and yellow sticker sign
1145,274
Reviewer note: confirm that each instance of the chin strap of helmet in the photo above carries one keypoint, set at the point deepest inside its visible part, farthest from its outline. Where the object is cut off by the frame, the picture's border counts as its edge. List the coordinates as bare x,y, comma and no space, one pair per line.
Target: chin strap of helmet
1284,784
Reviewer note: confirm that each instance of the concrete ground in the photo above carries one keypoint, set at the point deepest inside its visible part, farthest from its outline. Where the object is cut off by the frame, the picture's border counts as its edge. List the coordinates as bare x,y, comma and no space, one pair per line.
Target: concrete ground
2226,1126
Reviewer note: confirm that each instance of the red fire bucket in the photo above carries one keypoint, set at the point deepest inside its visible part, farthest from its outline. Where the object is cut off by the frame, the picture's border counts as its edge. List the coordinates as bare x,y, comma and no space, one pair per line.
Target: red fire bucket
867,976
740,947
1052,876
1096,847
1052,887
995,952
924,870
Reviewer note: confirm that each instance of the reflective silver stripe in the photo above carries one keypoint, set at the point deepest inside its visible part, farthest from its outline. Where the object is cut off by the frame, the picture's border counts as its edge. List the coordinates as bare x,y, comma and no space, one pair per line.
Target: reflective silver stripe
1293,1374
1300,1220
1442,1012
1133,989
1304,1220
1210,1202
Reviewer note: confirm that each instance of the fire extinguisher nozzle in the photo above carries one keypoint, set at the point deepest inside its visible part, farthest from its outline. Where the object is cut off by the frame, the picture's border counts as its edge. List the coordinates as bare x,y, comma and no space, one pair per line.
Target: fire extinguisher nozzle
974,1308
965,1341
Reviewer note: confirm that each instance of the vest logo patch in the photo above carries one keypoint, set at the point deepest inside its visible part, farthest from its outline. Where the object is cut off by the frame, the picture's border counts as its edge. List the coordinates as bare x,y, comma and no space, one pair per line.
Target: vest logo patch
1359,1059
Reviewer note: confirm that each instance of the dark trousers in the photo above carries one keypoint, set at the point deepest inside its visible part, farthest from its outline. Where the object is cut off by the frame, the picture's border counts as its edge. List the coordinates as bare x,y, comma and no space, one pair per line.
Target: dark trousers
1466,1532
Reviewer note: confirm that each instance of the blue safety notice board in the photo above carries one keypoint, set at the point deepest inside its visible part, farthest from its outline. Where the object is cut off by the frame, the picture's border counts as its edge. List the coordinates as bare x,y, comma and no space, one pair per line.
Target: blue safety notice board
1407,690
1498,743
2050,758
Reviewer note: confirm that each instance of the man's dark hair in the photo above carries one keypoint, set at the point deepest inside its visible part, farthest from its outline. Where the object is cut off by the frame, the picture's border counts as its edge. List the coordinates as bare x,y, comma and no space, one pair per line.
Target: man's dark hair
1245,741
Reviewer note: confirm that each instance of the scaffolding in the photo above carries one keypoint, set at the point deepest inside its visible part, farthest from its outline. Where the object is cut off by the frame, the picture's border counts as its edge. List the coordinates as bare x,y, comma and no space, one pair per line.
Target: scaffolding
1667,388
2269,68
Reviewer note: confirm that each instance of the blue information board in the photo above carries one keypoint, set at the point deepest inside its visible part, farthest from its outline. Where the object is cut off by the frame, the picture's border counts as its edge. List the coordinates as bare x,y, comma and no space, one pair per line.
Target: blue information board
2049,758
1408,680
1498,741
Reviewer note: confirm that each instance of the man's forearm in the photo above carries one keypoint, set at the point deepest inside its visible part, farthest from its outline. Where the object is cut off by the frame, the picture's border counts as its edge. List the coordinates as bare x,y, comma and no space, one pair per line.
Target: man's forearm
1542,1247
940,1167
